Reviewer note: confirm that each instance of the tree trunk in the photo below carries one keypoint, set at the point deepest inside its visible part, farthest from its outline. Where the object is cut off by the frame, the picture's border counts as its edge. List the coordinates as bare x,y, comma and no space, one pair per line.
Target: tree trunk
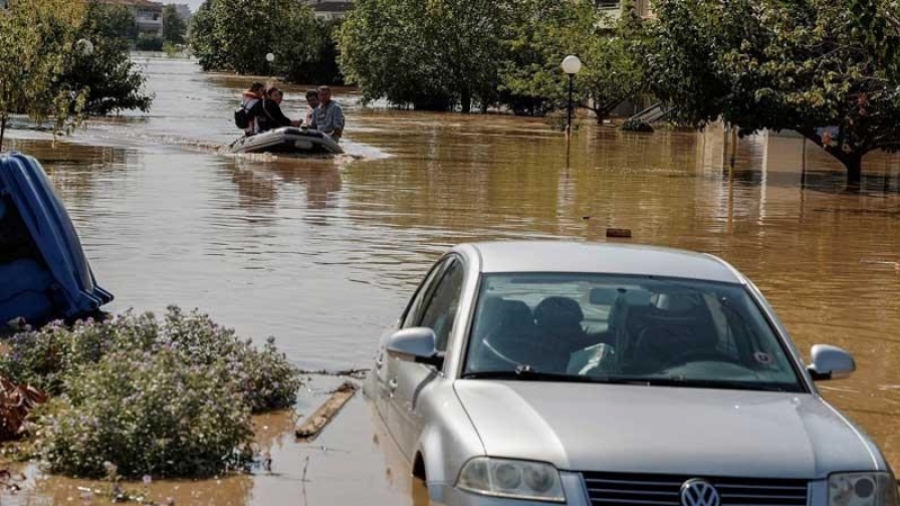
466,102
853,163
2,129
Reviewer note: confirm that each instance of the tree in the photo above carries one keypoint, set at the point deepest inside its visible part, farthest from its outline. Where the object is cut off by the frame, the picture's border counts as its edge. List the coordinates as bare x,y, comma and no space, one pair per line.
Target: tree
824,68
612,72
237,34
323,68
434,55
545,32
38,40
109,76
174,27
204,38
112,21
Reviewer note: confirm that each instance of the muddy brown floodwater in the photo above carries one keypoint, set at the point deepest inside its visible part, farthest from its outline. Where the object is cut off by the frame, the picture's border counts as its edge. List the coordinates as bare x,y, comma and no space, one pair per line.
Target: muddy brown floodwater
322,253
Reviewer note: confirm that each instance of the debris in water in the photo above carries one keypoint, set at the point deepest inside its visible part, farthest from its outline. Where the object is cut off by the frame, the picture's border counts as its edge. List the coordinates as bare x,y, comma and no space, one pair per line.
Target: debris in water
353,373
16,402
618,232
318,420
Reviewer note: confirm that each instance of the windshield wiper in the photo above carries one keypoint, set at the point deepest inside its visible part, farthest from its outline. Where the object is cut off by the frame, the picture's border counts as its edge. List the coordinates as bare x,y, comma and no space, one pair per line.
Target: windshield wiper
526,373
713,384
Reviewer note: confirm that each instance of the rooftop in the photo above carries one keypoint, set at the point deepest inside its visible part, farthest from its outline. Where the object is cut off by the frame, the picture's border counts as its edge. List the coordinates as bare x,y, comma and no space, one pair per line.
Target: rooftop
335,6
143,4
628,259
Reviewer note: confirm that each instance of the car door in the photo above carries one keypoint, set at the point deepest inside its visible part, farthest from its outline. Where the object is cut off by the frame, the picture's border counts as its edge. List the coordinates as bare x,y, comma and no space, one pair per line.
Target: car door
387,367
438,312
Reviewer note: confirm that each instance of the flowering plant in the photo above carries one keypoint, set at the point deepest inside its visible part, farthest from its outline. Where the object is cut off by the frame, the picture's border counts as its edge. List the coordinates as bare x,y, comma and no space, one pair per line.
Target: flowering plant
170,398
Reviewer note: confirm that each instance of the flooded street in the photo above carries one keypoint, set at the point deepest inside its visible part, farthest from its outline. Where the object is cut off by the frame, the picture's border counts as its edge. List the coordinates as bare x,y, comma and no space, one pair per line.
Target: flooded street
322,254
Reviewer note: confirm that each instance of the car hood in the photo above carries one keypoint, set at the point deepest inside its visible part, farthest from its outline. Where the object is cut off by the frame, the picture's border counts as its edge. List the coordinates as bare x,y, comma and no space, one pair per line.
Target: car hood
644,429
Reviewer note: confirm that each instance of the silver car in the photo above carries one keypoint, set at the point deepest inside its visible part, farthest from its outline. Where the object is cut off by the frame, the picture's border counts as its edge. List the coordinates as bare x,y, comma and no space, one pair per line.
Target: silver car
613,375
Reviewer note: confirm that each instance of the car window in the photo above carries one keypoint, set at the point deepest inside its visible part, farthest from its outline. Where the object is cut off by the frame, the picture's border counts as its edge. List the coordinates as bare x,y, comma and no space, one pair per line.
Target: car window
414,310
627,328
440,312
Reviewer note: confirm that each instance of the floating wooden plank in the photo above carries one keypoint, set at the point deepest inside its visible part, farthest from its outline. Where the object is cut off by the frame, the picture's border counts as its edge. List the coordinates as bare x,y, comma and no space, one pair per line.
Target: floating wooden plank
618,232
318,420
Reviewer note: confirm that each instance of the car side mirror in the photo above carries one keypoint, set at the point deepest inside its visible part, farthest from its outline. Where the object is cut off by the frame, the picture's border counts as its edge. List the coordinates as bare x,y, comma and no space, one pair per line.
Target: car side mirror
830,363
415,344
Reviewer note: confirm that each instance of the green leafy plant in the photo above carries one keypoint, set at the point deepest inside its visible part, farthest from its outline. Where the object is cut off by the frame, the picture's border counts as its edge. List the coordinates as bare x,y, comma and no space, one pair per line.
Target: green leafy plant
167,397
238,34
174,28
826,69
38,40
148,413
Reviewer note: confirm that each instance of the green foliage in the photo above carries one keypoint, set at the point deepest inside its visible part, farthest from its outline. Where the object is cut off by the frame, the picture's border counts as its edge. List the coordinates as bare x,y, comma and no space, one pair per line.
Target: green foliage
147,413
803,65
448,53
112,21
204,39
37,43
170,397
435,54
323,68
111,78
237,34
547,31
174,27
147,42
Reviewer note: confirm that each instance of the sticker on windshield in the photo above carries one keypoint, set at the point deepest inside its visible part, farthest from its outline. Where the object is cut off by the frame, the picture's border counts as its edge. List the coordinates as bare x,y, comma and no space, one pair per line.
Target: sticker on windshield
763,358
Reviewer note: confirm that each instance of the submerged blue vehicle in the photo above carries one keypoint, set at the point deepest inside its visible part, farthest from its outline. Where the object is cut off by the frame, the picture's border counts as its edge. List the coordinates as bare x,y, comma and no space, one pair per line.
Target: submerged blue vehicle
44,274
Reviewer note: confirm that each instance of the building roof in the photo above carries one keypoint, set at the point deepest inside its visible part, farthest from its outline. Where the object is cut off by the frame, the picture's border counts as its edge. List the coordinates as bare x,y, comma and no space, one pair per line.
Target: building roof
143,4
333,7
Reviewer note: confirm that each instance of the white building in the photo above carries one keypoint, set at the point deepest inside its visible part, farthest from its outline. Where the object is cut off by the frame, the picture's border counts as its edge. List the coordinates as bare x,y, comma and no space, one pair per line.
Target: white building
147,14
330,10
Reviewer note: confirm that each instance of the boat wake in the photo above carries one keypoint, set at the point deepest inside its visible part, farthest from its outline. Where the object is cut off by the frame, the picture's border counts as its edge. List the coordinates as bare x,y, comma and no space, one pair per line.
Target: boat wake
119,134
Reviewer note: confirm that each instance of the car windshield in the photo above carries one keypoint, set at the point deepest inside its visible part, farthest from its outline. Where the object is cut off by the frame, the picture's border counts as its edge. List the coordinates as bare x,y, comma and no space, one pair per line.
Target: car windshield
625,329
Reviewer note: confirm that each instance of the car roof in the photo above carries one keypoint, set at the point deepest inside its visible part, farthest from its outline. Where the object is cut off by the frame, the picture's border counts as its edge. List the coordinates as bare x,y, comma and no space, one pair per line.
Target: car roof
608,258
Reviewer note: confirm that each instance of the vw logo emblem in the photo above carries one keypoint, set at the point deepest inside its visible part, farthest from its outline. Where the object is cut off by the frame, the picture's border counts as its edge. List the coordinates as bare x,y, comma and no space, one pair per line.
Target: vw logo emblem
697,492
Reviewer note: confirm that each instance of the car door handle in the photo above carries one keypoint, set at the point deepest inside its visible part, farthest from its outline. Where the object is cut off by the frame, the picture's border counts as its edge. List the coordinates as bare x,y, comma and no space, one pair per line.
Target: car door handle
393,384
379,362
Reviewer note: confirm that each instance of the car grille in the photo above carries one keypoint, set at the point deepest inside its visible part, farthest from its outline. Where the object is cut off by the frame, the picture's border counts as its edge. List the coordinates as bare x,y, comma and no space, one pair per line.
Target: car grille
612,489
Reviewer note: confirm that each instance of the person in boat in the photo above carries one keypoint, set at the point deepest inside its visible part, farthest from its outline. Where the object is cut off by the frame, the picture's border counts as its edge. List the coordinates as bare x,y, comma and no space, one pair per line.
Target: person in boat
328,117
249,98
268,114
312,101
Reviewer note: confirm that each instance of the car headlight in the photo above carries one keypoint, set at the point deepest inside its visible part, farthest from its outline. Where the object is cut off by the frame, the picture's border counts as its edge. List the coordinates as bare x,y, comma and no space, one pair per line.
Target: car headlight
862,489
515,479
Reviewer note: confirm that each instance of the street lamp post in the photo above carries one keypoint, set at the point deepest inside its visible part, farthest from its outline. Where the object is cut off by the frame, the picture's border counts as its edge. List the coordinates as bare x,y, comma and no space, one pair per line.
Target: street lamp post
270,57
571,65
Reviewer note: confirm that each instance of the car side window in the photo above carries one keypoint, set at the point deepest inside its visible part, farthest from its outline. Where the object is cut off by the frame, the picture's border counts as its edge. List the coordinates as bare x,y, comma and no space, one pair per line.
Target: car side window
440,312
414,310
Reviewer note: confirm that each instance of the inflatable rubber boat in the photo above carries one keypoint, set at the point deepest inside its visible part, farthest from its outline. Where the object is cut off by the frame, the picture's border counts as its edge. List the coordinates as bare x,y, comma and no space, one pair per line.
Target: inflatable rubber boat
288,140
44,274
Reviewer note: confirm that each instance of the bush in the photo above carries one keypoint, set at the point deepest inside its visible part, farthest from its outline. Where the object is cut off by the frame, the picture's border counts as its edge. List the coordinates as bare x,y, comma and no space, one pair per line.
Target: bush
147,413
637,125
149,43
170,397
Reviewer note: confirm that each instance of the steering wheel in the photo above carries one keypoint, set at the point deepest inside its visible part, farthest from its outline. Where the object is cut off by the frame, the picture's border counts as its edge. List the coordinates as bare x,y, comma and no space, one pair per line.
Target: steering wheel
699,355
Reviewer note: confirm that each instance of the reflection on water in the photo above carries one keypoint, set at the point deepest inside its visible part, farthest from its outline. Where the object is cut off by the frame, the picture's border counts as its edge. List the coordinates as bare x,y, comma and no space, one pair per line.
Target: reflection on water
323,253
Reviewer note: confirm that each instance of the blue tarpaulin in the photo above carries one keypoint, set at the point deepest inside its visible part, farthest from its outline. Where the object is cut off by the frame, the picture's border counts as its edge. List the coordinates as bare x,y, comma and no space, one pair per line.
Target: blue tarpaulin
44,273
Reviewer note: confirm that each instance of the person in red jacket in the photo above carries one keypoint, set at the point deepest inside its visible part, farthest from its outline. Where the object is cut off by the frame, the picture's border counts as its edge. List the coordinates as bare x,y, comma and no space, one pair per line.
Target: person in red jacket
249,98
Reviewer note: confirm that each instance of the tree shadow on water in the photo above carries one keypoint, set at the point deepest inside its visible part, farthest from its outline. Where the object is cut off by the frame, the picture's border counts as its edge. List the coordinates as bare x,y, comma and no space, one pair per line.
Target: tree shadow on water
832,182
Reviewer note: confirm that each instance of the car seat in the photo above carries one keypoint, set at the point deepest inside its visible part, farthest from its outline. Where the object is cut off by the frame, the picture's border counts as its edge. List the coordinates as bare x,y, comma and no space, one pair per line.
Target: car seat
660,334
